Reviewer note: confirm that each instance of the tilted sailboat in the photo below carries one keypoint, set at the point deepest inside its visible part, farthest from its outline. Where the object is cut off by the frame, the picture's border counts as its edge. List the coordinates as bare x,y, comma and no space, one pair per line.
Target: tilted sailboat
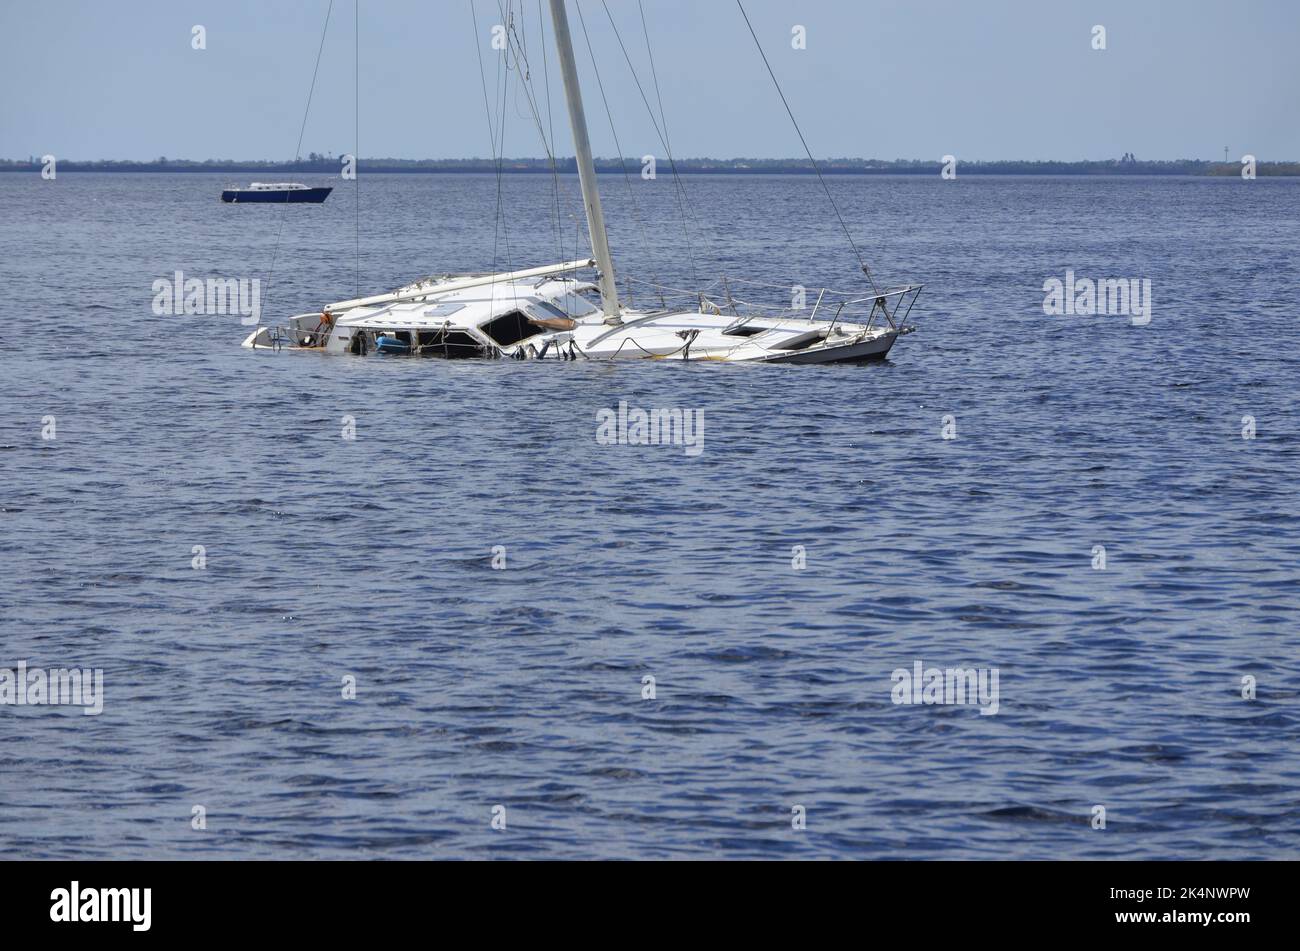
552,313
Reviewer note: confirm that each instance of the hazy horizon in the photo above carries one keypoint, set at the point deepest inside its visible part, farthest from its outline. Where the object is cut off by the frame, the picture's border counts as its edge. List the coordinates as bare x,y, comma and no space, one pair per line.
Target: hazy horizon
1012,80
599,158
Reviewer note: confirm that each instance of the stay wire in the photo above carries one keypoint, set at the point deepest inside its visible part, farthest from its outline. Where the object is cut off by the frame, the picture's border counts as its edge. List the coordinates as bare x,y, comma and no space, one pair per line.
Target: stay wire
795,123
622,161
356,131
683,201
275,251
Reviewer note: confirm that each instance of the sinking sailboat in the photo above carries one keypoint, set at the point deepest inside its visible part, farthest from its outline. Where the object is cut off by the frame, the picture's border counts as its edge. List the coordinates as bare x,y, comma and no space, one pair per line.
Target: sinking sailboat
572,311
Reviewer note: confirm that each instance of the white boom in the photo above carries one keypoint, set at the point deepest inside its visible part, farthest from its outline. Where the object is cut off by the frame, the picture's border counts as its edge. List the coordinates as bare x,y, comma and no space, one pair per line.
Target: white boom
462,284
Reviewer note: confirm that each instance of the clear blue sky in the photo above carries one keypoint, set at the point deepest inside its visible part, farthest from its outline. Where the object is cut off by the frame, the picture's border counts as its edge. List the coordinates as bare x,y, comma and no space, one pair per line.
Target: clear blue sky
1015,79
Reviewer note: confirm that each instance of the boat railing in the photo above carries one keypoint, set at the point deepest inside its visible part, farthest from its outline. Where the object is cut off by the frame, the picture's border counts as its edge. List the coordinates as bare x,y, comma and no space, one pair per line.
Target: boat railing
721,297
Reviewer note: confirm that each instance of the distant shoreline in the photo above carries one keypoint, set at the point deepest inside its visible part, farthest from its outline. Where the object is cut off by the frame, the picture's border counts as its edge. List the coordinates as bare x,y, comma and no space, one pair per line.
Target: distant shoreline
332,166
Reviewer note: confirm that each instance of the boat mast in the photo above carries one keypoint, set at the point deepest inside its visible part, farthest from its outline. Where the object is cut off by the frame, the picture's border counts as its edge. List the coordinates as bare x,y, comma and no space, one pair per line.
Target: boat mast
586,168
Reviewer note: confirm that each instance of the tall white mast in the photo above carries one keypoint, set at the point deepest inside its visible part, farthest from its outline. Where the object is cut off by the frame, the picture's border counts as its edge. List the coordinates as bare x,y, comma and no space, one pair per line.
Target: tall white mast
586,168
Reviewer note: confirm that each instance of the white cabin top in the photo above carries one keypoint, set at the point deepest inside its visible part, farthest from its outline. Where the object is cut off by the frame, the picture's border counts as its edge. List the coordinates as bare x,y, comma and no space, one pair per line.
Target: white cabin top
276,186
471,306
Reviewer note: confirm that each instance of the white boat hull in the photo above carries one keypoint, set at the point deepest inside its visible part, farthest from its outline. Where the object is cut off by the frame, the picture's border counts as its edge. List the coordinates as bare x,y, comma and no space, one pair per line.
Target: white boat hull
536,315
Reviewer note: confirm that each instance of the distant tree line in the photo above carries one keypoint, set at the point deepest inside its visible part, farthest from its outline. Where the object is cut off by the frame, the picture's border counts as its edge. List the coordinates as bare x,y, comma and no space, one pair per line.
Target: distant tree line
327,164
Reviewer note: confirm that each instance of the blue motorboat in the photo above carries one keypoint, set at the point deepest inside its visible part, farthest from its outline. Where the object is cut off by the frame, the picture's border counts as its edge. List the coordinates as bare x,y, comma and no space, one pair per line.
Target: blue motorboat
282,192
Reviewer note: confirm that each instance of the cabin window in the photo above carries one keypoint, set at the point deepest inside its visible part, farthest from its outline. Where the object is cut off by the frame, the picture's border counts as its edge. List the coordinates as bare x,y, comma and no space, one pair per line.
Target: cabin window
452,344
577,305
510,328
549,310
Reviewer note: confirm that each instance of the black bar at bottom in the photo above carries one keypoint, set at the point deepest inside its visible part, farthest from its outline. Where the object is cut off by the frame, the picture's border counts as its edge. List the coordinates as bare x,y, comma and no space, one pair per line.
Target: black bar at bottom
333,900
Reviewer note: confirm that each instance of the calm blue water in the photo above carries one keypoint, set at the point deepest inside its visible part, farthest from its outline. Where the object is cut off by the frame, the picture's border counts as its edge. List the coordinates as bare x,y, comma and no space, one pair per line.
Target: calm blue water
522,687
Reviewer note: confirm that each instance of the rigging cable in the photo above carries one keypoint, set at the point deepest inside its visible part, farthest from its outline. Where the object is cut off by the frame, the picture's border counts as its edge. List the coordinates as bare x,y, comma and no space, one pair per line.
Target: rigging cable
636,205
275,251
683,201
526,84
492,133
863,264
663,115
550,125
483,81
356,127
498,143
508,27
503,86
